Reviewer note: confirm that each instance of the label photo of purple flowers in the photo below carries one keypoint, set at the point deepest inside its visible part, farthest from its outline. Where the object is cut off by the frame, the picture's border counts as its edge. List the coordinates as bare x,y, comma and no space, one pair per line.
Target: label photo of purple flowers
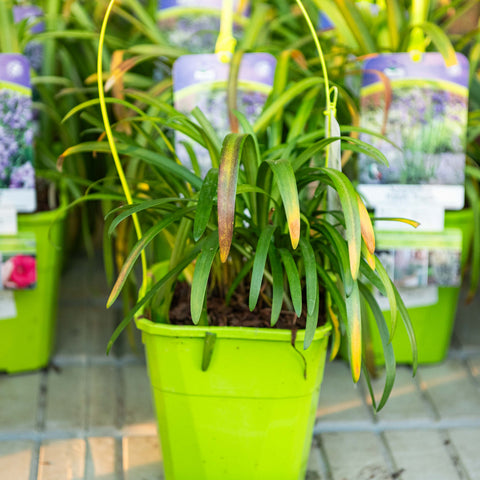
201,81
421,107
195,25
17,173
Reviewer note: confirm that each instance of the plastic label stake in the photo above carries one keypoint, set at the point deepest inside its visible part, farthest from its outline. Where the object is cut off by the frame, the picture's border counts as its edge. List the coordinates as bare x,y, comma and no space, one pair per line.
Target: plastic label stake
8,220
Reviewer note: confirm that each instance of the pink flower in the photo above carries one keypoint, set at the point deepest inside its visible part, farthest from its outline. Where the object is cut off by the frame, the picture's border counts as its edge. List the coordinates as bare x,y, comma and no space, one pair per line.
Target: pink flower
24,273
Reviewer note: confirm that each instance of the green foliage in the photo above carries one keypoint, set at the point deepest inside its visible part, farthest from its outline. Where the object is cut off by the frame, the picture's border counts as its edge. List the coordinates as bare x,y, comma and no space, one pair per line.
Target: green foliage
259,222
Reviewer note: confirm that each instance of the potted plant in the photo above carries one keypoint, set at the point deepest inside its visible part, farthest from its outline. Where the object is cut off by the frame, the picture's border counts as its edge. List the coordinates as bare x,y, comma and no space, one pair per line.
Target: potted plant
370,31
31,258
262,271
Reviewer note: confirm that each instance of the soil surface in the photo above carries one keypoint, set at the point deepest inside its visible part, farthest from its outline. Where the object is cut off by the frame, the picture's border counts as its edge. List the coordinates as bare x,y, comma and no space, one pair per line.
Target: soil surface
236,314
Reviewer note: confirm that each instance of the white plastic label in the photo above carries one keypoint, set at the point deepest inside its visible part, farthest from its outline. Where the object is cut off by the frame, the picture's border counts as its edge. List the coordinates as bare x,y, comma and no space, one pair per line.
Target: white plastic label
8,221
8,308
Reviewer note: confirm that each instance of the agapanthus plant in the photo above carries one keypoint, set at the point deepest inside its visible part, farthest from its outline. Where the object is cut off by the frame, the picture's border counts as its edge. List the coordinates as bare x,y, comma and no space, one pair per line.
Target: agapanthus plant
259,227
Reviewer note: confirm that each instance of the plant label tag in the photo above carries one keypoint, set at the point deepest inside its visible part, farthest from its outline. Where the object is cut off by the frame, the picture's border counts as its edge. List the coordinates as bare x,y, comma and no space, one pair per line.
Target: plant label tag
195,25
421,107
412,297
421,259
201,81
17,174
18,262
335,162
8,221
8,308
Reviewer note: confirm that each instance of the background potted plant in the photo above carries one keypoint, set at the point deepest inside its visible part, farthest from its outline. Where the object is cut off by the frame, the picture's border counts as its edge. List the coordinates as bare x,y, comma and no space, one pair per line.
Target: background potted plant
31,259
367,30
256,230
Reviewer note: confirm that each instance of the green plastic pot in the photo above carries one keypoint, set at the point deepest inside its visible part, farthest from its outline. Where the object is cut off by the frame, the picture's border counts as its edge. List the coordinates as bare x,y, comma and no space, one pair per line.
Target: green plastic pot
432,324
249,415
26,341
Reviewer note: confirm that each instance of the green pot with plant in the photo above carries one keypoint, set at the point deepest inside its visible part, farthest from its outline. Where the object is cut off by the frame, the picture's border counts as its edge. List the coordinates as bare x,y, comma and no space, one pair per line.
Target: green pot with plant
420,29
31,258
261,273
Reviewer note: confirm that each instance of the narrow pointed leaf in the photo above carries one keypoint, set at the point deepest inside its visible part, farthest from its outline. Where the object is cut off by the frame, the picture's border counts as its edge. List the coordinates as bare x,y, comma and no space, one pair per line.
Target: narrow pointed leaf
366,226
337,337
152,291
277,284
287,185
442,42
293,278
390,291
208,347
348,200
369,257
354,332
139,247
205,203
311,279
130,210
311,326
227,187
402,309
200,278
341,251
386,344
259,265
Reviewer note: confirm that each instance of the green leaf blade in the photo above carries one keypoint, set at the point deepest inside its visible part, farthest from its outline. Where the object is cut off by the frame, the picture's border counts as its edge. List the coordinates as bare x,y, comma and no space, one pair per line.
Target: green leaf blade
259,265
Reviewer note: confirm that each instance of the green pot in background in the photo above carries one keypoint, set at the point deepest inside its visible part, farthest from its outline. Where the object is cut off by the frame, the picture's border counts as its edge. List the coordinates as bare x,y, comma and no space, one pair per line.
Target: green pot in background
250,414
433,324
27,341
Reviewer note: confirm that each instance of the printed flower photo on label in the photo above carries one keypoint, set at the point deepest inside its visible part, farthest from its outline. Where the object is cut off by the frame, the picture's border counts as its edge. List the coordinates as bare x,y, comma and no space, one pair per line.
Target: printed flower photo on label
18,272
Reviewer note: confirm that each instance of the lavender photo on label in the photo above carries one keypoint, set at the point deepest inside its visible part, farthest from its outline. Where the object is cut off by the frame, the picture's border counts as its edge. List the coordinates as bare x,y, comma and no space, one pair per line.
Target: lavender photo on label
16,127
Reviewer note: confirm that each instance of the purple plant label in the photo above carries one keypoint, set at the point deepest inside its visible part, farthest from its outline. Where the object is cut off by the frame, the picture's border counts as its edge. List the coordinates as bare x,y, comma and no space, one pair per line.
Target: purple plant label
201,81
422,108
18,262
33,16
420,262
195,26
17,174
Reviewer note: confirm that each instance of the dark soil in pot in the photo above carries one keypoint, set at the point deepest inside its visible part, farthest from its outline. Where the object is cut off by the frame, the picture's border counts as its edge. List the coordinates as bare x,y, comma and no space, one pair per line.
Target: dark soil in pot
235,314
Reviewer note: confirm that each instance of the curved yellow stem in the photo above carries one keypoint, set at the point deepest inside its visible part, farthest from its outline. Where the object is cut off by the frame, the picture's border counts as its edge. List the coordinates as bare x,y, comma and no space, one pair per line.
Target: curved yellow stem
328,109
111,142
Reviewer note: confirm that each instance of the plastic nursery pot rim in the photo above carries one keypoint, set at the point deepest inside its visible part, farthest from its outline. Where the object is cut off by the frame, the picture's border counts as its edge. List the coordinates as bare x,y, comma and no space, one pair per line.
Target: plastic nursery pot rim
250,333
47,216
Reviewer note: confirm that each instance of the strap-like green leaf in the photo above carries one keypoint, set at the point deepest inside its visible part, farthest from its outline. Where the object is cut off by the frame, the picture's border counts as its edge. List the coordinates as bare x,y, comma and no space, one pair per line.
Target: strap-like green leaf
341,252
392,301
311,279
386,344
205,203
293,278
152,291
208,346
263,245
394,22
312,321
139,247
140,207
200,277
166,165
287,186
234,147
354,332
348,200
441,41
472,195
277,284
402,309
